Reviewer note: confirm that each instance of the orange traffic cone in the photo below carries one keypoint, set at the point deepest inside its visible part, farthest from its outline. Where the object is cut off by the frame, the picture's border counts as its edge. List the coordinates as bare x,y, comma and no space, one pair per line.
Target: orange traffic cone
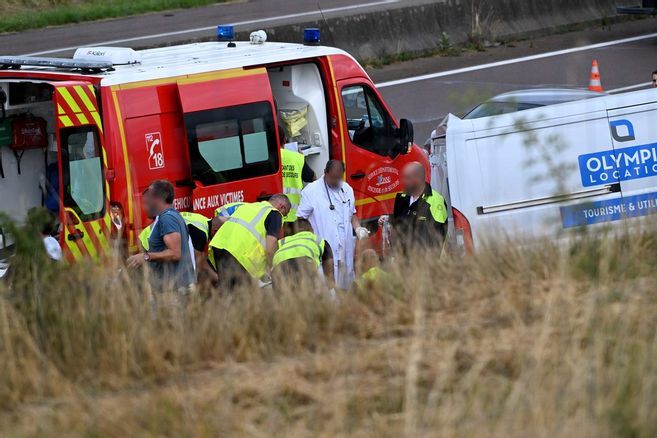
595,84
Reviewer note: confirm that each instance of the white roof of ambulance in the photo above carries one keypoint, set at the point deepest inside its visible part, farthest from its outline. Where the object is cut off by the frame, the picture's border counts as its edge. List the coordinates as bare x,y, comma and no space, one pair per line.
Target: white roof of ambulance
206,57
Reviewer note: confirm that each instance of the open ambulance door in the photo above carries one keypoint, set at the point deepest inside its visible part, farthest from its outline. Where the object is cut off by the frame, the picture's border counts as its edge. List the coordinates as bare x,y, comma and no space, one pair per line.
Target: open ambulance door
232,135
84,192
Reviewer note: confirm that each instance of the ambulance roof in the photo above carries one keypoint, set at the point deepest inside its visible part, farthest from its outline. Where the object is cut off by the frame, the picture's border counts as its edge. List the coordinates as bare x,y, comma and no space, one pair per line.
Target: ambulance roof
188,59
196,58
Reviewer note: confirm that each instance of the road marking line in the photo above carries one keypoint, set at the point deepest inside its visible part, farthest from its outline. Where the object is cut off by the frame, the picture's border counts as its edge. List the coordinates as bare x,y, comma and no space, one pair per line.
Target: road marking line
317,13
629,88
513,61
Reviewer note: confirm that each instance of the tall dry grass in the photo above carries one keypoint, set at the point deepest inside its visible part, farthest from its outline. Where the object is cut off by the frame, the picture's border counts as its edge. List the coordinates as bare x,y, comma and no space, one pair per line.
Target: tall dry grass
541,341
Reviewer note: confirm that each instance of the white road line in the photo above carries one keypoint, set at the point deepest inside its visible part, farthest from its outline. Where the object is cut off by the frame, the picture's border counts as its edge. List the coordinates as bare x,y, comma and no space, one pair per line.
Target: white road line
629,88
513,61
317,13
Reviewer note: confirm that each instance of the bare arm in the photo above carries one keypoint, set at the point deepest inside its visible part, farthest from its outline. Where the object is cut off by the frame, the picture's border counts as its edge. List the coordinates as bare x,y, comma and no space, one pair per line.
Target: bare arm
271,246
173,253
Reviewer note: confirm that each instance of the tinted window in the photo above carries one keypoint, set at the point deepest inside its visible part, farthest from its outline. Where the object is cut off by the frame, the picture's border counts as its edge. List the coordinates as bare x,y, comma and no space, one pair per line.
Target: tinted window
84,184
233,143
370,126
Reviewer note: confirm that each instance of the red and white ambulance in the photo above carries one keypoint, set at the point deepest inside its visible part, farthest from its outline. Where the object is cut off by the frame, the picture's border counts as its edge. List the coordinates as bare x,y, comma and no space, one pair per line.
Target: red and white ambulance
85,136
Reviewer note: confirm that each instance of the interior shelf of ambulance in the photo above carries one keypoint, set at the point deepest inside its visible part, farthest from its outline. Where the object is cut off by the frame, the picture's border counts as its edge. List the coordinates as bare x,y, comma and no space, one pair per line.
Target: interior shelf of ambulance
27,148
299,94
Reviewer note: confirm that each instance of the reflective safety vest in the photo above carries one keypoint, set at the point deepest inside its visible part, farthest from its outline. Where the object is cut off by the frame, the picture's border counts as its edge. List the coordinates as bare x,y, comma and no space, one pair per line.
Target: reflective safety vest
373,277
227,210
292,182
302,244
196,220
244,236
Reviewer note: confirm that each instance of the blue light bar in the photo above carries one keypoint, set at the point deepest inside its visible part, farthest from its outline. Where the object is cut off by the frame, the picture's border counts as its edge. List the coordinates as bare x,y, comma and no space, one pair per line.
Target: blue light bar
225,33
311,36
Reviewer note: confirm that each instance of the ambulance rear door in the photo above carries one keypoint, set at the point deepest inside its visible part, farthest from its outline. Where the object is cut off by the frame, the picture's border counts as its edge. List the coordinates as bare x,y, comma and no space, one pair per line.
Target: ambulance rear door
232,137
84,193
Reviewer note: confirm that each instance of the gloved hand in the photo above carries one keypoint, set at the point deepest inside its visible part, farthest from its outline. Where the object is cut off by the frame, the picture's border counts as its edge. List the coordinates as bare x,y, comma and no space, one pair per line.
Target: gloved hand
383,219
362,233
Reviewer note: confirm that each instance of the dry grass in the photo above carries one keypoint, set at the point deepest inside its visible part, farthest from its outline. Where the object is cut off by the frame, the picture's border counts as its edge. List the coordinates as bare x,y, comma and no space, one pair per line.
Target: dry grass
534,342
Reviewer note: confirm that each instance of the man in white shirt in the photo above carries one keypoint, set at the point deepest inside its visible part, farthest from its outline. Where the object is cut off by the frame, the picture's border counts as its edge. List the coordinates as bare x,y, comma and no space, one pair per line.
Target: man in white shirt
330,207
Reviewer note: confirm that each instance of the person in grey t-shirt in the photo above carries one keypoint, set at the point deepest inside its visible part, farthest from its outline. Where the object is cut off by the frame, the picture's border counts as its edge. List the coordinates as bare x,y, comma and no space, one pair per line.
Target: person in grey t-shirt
169,255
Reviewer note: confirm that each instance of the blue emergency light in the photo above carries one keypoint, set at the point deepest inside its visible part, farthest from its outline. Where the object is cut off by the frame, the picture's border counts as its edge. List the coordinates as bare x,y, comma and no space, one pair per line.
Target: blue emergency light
311,36
225,33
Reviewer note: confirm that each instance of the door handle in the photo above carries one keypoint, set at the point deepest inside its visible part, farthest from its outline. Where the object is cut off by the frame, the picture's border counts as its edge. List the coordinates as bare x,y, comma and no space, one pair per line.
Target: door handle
76,236
358,175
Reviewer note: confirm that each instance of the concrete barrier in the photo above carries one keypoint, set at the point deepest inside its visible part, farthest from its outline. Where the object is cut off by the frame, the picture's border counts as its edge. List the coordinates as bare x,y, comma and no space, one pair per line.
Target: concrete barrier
418,29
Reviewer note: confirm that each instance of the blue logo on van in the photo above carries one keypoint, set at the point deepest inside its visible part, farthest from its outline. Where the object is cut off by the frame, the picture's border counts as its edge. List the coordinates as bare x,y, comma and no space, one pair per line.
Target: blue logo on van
608,167
622,130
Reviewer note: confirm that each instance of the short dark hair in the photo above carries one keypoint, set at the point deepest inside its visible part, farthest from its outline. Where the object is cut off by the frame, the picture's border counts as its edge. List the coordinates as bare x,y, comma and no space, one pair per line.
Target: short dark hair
654,73
162,189
331,164
282,198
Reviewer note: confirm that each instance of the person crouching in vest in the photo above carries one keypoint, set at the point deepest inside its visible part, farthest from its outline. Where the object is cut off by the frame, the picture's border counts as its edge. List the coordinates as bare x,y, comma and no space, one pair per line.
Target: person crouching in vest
303,253
419,219
295,173
245,243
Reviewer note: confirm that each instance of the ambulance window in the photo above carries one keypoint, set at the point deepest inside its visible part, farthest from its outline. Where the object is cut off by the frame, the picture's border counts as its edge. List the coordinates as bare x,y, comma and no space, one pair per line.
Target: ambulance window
84,185
370,126
233,143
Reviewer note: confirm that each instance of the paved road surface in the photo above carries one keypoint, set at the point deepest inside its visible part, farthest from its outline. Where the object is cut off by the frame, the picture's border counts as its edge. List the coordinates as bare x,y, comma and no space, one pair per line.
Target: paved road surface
166,28
425,102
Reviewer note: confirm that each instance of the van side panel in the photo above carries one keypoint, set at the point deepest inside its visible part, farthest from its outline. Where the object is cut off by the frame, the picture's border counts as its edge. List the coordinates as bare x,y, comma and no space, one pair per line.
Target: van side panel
519,176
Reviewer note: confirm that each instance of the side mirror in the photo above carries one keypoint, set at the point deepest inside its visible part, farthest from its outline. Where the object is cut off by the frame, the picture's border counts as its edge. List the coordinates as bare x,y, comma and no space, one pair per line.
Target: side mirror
406,135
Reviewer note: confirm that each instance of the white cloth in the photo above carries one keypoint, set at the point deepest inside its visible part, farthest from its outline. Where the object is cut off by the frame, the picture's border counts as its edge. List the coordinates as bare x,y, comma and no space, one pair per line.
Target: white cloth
52,248
334,226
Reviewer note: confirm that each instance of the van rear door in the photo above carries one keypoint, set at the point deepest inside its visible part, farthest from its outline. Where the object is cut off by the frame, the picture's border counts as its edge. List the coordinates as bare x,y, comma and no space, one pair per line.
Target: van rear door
232,137
634,135
84,194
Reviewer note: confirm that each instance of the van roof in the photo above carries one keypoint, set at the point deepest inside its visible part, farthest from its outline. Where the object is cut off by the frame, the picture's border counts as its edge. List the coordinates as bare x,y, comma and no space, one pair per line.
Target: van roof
188,59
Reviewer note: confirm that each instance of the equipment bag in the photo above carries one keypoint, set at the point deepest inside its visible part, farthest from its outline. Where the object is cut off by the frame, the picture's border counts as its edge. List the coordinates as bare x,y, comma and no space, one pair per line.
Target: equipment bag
28,132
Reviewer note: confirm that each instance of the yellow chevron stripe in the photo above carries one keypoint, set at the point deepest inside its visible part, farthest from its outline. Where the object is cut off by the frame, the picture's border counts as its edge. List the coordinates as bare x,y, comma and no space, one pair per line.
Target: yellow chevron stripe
108,221
84,97
102,238
73,247
69,99
97,121
82,119
90,246
66,121
60,110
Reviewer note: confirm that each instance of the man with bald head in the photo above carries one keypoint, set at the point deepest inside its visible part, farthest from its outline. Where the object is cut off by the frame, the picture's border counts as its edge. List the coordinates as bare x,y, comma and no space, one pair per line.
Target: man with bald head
420,214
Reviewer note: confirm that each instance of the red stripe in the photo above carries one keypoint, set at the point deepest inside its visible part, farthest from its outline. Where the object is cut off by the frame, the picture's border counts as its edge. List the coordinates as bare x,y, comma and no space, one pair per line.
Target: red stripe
94,237
78,242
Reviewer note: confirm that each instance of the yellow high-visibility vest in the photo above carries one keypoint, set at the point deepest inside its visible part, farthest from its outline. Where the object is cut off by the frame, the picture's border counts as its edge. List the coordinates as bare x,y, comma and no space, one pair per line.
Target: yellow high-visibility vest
292,182
300,245
244,236
196,220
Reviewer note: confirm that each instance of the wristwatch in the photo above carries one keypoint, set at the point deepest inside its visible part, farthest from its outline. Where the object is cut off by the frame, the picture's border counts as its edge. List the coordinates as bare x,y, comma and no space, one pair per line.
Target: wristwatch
147,257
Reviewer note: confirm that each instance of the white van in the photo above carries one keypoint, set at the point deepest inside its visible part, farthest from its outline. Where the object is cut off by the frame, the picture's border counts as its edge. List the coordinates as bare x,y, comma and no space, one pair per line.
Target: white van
542,171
